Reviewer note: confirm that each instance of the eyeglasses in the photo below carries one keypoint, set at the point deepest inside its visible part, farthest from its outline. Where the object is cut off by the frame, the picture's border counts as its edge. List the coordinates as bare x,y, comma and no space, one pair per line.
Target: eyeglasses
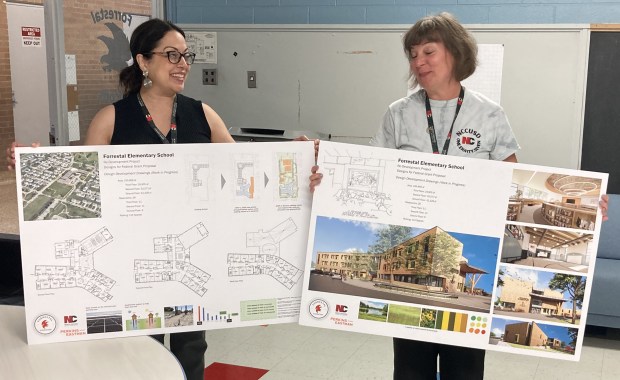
175,56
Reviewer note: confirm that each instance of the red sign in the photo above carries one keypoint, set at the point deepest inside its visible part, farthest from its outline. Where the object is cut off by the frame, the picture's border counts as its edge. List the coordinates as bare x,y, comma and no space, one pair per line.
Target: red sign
31,31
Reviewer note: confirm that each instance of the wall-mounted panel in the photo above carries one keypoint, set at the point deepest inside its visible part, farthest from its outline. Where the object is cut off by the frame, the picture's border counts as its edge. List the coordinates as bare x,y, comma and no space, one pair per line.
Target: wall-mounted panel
340,80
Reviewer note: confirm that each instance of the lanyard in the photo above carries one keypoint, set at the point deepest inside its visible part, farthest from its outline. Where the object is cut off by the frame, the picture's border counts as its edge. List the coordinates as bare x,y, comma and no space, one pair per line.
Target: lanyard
173,121
431,125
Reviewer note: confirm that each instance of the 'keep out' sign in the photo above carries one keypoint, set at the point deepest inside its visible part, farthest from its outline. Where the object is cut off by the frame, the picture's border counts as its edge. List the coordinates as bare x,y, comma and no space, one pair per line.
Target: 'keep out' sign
31,36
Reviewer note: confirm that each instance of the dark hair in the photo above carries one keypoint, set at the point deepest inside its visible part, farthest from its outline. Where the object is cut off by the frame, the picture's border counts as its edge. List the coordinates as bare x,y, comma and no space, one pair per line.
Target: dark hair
446,29
143,40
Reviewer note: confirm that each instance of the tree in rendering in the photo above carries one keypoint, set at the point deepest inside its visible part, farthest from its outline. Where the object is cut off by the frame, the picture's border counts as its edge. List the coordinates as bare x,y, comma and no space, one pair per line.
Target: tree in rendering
573,285
500,279
387,238
573,334
446,254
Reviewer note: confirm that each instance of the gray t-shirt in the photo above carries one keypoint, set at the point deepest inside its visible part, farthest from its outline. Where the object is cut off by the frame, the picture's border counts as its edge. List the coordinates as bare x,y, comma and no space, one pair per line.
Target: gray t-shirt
481,129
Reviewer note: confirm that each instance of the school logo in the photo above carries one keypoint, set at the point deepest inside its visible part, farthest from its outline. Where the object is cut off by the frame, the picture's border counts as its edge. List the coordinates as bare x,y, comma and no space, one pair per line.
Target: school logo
468,140
342,309
318,308
70,320
45,324
119,55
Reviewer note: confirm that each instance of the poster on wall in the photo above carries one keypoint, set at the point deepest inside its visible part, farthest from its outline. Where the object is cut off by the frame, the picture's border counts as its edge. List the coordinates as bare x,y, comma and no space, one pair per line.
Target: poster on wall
151,239
467,252
204,44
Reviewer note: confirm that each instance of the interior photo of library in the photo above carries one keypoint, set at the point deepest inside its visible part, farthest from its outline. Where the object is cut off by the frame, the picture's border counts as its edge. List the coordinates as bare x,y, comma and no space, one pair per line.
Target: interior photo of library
547,248
554,199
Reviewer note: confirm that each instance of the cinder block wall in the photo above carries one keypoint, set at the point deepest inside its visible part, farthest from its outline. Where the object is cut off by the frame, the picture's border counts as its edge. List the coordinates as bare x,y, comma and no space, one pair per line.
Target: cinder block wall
391,11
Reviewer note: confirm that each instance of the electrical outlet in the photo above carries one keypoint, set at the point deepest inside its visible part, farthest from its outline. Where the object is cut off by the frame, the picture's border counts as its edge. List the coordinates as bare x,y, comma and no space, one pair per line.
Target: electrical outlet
251,79
209,77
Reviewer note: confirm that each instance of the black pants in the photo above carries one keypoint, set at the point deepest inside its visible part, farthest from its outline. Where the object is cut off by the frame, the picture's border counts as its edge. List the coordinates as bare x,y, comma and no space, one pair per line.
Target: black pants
189,348
415,360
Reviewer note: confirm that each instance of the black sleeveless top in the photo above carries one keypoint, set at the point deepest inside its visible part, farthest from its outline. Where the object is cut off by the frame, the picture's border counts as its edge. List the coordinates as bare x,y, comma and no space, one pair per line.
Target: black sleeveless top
131,127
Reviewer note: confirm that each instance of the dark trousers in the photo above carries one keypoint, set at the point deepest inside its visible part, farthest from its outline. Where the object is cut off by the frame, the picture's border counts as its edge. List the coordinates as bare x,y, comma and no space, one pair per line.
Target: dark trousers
189,348
416,360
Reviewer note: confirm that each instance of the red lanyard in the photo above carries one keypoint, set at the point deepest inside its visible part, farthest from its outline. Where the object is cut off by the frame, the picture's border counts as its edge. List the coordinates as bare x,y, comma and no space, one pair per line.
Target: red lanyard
173,121
431,125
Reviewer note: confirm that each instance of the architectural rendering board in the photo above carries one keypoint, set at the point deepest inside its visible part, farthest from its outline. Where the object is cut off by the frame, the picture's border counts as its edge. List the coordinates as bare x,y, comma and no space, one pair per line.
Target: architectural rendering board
149,239
467,252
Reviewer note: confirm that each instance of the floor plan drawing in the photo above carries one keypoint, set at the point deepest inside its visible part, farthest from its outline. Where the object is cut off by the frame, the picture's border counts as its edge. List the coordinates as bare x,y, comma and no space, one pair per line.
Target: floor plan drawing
359,182
200,232
200,172
81,272
177,266
268,261
245,180
288,186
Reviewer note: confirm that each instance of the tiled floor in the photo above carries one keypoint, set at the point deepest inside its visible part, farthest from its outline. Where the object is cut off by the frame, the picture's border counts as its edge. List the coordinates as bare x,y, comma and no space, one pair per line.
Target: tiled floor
295,352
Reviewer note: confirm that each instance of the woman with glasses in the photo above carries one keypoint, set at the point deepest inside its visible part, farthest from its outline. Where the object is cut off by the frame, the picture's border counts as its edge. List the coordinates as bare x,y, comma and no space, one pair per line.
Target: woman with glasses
154,112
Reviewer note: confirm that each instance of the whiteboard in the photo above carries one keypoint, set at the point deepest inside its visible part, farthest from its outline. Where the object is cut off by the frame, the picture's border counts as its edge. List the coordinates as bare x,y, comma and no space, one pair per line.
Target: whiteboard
339,80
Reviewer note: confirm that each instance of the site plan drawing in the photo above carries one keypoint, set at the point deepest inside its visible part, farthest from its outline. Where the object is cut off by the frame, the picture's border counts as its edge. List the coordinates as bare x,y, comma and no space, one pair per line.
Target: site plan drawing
152,239
466,252
60,186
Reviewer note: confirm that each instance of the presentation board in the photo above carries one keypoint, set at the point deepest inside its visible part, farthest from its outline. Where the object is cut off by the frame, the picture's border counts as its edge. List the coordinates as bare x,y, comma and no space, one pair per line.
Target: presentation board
339,80
127,240
452,250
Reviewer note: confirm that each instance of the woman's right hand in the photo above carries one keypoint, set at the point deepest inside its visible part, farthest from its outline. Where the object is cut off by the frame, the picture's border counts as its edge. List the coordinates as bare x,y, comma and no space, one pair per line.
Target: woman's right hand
315,178
10,153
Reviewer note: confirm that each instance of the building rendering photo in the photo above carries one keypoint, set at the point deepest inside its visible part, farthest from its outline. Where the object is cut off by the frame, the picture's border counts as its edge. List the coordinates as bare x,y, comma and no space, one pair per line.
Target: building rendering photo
539,295
533,335
423,266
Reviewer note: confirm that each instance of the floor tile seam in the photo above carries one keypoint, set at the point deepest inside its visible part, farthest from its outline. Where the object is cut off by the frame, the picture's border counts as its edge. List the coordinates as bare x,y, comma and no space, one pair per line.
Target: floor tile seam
290,352
223,352
342,363
314,376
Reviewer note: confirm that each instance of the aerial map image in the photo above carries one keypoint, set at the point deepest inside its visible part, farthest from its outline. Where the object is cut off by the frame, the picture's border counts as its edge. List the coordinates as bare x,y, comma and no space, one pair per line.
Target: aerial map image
60,185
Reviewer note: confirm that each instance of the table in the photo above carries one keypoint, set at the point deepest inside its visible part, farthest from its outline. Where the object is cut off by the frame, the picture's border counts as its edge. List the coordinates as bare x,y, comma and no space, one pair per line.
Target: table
133,358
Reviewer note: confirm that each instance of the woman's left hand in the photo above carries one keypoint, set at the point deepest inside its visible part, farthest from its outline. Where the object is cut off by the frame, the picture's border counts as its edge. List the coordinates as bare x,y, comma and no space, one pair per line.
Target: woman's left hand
315,178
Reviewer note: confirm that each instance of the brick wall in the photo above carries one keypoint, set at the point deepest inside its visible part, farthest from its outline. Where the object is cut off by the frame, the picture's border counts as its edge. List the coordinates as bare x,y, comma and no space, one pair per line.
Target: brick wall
96,86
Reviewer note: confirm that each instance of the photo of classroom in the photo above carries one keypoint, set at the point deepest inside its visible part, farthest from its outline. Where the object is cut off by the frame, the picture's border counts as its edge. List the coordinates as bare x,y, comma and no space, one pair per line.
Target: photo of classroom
546,296
547,248
553,199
